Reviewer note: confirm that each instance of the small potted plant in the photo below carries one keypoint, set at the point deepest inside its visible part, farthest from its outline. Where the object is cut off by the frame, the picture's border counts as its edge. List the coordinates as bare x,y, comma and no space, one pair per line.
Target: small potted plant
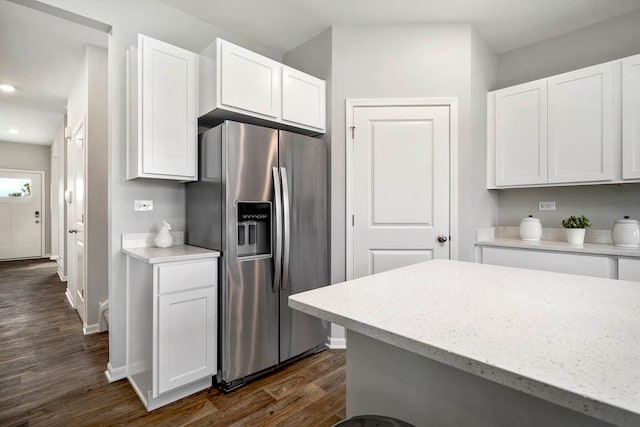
576,226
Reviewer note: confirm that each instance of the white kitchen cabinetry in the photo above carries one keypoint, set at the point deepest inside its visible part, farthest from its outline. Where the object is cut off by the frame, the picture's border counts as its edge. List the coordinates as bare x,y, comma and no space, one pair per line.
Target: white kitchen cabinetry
303,98
163,106
171,325
588,265
631,117
563,130
248,82
581,134
629,269
239,84
521,133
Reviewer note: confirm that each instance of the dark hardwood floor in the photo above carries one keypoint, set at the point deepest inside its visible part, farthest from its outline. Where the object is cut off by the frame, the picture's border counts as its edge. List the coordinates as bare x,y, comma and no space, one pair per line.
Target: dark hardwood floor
51,374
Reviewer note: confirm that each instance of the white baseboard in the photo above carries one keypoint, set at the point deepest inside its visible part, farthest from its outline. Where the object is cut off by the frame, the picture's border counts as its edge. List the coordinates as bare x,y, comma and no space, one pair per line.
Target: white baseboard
115,374
336,343
91,329
55,258
69,298
62,277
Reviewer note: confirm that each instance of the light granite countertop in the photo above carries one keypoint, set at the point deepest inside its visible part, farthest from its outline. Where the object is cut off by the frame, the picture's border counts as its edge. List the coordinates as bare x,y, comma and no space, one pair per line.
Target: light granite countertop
597,242
153,255
568,339
140,246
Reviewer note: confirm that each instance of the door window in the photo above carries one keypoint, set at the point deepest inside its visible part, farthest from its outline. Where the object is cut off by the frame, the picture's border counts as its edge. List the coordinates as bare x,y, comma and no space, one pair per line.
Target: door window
15,187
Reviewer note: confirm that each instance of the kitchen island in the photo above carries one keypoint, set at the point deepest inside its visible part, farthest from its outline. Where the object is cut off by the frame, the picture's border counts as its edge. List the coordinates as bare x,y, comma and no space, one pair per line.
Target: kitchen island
451,343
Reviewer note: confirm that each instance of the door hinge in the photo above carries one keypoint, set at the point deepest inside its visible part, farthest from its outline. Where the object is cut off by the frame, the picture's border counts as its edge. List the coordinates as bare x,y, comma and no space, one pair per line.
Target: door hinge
353,220
353,132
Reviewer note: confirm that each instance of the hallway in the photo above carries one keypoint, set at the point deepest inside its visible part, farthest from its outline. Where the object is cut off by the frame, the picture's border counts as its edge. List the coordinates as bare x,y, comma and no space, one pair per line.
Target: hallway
52,374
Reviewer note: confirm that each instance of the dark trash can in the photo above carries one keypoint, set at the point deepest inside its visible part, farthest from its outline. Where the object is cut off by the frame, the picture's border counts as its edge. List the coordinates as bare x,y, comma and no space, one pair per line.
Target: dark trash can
372,421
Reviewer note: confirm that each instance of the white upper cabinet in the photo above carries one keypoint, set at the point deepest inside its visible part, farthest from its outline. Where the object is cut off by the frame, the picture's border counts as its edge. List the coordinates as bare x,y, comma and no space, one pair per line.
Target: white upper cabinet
581,133
239,84
163,102
631,117
565,129
248,81
521,134
303,98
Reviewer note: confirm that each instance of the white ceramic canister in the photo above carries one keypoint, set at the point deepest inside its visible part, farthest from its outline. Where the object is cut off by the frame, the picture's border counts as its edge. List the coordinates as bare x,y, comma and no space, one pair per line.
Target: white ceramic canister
164,238
530,229
626,232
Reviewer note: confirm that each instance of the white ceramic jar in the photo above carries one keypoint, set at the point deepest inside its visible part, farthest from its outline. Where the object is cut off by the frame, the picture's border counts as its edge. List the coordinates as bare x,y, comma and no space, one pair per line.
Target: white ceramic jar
626,232
164,238
530,229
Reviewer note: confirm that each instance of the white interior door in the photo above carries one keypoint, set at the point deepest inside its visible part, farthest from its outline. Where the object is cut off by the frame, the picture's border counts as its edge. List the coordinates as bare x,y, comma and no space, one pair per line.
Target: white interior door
21,214
400,186
79,219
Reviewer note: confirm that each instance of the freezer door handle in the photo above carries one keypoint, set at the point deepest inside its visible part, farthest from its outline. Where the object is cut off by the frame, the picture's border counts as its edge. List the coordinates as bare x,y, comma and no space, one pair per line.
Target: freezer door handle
277,260
287,227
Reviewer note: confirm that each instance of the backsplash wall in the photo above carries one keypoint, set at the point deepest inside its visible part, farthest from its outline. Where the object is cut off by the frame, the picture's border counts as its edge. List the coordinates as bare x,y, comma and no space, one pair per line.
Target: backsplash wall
602,204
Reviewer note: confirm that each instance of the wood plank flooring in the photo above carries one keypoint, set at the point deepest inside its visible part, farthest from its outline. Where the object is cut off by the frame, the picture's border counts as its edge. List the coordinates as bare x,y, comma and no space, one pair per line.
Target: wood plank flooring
53,375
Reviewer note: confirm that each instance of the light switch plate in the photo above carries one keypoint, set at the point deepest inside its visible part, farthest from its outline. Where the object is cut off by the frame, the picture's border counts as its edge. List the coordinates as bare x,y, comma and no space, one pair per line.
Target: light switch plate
143,205
546,206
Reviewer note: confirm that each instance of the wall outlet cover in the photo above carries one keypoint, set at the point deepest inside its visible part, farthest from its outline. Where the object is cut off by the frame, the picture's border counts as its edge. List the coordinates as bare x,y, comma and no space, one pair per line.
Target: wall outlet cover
143,205
546,206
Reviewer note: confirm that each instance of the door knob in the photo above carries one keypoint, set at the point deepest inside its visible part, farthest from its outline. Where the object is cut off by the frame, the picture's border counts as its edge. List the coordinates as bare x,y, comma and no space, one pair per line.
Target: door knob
442,238
71,231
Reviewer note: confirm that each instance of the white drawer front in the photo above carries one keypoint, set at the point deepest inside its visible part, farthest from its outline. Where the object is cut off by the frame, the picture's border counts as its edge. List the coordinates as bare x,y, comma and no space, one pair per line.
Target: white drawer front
587,265
176,277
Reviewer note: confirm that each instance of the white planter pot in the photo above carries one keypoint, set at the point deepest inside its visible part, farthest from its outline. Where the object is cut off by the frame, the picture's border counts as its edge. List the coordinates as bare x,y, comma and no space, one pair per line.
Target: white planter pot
575,236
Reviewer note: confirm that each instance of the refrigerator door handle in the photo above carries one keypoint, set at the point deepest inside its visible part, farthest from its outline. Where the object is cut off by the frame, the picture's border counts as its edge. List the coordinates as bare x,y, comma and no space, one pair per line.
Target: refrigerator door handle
287,228
277,260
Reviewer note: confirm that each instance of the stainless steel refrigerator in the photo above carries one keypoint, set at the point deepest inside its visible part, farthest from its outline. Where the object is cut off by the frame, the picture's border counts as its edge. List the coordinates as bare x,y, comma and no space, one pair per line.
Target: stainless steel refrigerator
261,199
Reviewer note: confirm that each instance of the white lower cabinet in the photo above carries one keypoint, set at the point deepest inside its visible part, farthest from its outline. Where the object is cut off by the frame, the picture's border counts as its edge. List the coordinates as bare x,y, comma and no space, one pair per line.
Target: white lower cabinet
629,269
186,332
171,328
559,262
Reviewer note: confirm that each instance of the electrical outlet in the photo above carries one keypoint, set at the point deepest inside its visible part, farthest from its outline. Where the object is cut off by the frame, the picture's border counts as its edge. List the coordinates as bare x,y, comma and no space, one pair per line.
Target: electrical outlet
546,206
143,205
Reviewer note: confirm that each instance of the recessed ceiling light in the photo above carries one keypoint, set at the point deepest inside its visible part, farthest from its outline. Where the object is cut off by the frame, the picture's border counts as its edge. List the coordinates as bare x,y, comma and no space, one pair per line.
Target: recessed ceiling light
13,130
7,88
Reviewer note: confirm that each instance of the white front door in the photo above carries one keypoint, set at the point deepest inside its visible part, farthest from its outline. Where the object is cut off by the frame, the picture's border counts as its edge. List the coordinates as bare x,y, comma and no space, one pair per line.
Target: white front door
77,150
21,214
399,186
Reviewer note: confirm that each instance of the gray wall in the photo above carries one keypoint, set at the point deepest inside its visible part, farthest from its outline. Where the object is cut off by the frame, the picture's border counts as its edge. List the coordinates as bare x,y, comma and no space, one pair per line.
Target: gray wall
97,183
478,206
31,157
608,40
407,61
392,61
602,204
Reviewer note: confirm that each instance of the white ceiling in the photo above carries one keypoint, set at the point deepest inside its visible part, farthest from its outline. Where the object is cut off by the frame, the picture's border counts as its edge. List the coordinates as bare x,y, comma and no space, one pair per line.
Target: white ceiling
41,56
282,25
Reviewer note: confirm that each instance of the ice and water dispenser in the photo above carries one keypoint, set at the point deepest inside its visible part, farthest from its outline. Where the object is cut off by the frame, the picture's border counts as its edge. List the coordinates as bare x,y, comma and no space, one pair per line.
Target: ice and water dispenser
254,229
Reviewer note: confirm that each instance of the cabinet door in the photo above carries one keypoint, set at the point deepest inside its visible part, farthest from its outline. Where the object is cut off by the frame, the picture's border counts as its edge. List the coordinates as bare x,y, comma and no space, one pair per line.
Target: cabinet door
168,79
248,81
303,99
521,134
581,133
587,265
187,331
631,117
629,269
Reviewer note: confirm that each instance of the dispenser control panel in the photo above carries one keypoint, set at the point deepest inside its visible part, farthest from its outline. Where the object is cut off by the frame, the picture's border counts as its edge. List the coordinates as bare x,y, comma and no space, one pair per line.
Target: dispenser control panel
254,229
